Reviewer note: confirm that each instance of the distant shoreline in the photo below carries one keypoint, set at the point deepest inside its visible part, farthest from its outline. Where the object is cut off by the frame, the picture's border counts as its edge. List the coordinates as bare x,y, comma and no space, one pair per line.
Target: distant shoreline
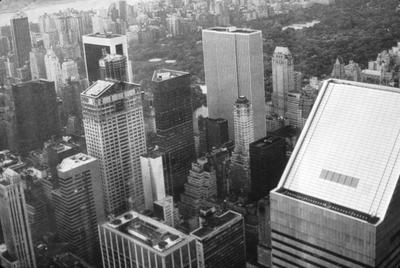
16,7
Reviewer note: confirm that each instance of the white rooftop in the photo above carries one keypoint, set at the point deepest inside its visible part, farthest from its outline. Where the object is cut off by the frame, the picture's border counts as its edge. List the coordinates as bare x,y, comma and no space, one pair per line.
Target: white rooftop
348,152
74,161
97,88
283,50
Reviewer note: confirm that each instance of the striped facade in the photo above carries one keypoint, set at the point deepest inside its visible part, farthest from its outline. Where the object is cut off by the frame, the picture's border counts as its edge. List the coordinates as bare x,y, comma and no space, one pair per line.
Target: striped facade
15,223
120,249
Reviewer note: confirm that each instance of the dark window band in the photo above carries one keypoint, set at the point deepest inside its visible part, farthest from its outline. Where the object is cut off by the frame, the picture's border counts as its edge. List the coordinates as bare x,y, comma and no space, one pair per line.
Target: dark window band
322,249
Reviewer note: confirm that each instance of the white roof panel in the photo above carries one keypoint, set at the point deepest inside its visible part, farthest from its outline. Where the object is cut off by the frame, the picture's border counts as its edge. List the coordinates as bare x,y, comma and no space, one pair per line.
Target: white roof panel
348,153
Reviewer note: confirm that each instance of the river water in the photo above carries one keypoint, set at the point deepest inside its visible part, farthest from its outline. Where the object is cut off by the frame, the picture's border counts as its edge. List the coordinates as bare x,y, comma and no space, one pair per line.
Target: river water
299,26
34,10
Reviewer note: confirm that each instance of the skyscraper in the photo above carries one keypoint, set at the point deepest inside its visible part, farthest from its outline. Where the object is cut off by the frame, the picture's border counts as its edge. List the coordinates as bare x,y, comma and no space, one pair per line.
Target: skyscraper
123,10
244,135
114,130
14,222
233,64
37,65
69,70
220,159
78,205
282,79
337,202
216,132
220,241
34,113
93,45
147,243
267,162
53,70
172,102
113,66
21,38
294,110
201,185
153,178
264,232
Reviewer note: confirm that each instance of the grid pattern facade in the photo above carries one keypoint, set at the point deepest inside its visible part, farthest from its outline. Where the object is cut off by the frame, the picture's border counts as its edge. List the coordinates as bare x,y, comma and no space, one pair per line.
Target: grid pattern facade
294,111
113,67
224,246
21,39
78,208
172,101
282,79
233,65
15,221
121,249
244,135
114,130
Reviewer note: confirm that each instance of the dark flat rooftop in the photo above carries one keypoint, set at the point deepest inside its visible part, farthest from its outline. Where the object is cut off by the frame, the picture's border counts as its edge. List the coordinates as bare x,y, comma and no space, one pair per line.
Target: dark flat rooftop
331,206
214,222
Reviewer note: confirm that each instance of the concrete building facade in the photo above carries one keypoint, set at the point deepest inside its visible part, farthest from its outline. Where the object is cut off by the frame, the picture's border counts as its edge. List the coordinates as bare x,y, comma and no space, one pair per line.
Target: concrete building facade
114,131
233,65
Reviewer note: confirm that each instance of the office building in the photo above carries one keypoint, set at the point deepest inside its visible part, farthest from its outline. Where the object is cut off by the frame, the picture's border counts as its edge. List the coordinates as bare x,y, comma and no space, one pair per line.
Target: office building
114,131
233,65
163,209
71,97
294,111
69,70
264,232
153,178
23,74
32,102
113,66
14,223
148,243
267,162
220,159
57,151
93,45
244,135
68,260
282,79
78,205
201,185
220,241
123,10
69,27
217,133
4,46
336,203
172,102
53,70
37,65
21,38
